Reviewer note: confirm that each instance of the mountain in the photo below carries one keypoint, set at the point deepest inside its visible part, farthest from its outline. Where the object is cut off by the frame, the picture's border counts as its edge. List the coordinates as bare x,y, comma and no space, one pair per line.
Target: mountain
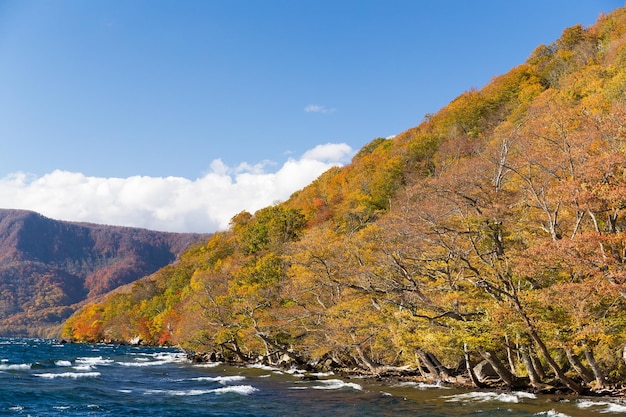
48,267
492,233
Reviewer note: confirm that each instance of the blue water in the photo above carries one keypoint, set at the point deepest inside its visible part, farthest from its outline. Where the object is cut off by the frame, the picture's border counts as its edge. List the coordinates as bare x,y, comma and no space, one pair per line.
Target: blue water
39,377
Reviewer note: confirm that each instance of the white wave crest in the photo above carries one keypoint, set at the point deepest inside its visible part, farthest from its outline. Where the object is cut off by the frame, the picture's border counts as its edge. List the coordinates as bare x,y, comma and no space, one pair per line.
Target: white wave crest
321,374
264,367
170,356
221,379
94,361
420,385
156,359
142,364
180,393
337,384
63,363
602,406
513,397
551,413
207,364
16,367
74,375
236,389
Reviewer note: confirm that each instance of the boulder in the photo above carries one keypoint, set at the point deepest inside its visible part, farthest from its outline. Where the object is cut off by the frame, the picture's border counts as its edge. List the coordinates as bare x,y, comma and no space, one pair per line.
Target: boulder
485,371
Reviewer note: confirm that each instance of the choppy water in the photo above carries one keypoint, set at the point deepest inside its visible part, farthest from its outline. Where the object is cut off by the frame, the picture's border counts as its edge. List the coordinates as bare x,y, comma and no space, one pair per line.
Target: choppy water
42,378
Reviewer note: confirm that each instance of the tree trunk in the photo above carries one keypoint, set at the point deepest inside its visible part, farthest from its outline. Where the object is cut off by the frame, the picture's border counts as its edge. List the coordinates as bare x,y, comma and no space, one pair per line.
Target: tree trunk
470,368
366,360
537,365
363,356
597,372
569,383
235,349
443,371
432,368
420,368
580,369
535,380
507,377
509,355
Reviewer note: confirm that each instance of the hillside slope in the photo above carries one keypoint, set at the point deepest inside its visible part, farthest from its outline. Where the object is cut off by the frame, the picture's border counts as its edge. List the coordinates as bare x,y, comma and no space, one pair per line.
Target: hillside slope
48,266
494,231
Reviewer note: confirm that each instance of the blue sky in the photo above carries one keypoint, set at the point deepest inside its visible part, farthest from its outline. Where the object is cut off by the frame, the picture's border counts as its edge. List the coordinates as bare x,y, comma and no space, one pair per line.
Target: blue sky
110,110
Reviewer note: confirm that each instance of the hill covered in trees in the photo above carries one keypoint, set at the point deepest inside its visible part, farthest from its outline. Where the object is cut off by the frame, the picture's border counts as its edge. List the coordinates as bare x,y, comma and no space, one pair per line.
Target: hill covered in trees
47,267
493,231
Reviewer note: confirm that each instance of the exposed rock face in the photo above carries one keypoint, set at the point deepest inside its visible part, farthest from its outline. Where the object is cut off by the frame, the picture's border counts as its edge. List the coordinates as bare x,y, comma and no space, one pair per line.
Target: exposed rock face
48,267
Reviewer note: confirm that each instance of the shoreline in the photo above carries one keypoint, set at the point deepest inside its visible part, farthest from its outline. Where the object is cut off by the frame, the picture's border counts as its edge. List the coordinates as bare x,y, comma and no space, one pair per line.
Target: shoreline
388,375
393,376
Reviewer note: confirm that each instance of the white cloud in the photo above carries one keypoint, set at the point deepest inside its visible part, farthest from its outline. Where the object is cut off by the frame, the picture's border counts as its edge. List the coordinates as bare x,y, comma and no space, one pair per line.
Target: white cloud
316,108
173,203
331,152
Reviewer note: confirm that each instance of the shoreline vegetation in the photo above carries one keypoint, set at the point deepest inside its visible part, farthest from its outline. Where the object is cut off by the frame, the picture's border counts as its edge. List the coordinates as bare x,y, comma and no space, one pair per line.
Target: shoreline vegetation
481,376
484,247
484,376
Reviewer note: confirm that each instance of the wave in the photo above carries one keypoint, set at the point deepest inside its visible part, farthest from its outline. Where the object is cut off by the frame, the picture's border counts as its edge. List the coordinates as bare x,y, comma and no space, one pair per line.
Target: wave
94,361
170,356
337,384
84,367
551,413
513,397
207,364
63,363
236,389
420,385
179,393
221,379
602,406
16,367
321,374
156,359
143,364
73,375
264,367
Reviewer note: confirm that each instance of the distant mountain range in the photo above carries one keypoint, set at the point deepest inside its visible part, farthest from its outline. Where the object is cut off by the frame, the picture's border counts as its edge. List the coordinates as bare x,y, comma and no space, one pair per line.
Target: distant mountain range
49,267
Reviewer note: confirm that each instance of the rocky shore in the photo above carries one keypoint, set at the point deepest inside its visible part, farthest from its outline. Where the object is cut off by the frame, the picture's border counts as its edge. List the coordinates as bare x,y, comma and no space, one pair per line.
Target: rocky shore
487,377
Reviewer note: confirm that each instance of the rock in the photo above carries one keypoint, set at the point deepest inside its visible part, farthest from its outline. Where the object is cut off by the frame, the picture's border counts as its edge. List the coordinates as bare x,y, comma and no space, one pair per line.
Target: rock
485,371
285,360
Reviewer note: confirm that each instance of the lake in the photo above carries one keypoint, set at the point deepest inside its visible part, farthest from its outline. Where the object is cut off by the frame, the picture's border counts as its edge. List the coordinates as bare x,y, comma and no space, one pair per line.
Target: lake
40,377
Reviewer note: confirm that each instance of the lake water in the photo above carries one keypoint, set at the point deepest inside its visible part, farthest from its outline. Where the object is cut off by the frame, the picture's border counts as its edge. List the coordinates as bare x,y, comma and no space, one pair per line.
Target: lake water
39,377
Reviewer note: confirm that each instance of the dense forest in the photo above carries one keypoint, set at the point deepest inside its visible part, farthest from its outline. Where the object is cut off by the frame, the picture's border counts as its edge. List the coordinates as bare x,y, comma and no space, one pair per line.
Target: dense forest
493,232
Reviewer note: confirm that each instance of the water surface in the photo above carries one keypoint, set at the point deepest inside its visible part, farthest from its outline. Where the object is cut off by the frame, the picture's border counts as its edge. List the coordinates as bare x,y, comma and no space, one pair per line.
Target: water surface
39,377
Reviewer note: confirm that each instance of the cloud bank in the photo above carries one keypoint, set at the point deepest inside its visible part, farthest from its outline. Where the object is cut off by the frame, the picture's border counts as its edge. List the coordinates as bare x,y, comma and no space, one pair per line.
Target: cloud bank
169,204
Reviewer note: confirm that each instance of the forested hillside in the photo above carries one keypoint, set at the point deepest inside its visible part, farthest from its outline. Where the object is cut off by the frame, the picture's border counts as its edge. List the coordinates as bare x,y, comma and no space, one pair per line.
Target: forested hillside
493,231
47,267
